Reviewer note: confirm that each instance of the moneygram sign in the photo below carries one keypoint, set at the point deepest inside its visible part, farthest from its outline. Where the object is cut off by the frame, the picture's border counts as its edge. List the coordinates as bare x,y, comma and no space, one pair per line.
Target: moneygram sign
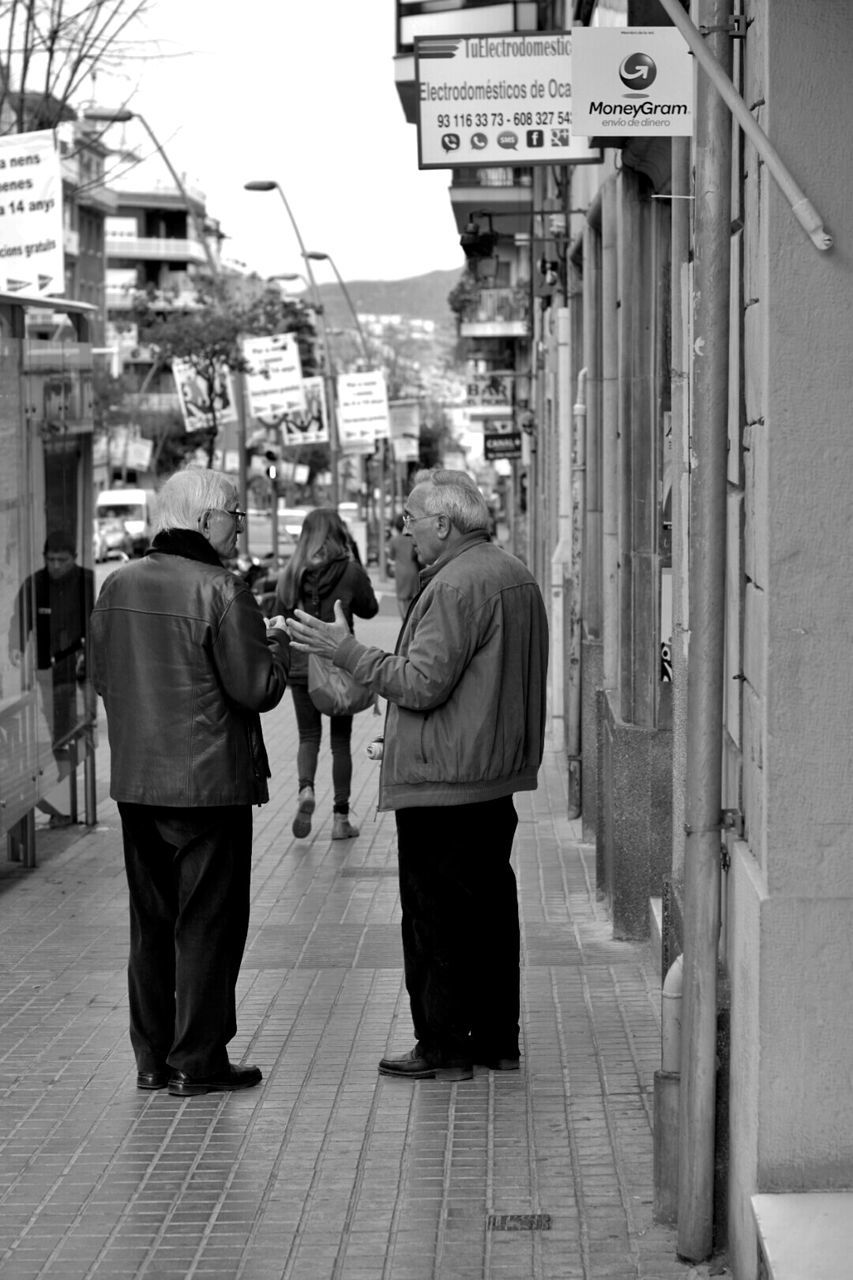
496,100
631,80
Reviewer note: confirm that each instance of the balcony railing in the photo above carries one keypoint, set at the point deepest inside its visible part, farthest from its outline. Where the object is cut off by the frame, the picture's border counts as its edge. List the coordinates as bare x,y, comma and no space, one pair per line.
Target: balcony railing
155,249
497,313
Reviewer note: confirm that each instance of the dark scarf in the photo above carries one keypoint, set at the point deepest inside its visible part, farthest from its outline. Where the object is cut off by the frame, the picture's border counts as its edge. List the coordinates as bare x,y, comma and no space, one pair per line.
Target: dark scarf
187,543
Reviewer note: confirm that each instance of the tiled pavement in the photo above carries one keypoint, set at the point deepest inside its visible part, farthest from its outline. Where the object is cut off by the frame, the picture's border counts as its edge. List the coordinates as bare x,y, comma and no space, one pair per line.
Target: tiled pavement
327,1171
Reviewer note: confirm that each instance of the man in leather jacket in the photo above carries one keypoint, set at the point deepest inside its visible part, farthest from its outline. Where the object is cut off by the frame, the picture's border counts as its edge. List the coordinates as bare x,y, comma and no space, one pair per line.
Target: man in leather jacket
185,662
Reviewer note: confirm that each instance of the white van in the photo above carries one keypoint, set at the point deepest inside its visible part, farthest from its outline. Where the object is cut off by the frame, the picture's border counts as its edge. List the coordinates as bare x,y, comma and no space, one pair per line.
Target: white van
124,522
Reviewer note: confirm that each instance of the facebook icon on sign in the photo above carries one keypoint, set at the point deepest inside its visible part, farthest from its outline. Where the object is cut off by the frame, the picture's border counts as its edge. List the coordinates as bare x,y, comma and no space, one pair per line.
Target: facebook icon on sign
536,138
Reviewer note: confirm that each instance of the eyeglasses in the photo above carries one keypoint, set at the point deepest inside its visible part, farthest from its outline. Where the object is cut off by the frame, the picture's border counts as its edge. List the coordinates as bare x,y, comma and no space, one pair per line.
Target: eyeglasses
239,516
409,520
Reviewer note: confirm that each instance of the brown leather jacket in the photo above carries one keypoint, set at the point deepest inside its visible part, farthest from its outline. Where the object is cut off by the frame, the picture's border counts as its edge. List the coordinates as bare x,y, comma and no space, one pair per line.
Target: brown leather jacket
181,658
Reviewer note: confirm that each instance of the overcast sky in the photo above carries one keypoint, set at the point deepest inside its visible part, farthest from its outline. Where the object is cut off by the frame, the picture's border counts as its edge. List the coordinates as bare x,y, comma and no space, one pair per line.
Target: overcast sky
302,92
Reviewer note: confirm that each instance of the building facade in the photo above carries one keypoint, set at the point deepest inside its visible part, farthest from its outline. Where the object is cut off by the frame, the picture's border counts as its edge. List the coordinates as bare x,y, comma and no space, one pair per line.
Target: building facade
689,519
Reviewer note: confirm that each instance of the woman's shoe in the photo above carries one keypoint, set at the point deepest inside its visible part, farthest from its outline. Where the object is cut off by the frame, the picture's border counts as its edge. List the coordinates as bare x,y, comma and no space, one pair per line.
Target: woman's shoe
304,809
342,828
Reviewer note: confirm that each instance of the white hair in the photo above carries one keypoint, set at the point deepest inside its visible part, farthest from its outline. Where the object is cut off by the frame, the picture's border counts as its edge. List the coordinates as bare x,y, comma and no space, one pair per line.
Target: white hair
187,495
455,495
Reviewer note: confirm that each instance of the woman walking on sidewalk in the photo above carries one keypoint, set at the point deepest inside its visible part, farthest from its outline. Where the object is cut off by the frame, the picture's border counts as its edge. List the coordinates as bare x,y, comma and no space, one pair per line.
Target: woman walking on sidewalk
322,569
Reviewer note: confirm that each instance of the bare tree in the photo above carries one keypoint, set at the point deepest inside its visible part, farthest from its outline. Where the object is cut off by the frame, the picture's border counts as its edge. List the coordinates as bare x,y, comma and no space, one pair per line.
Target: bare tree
48,48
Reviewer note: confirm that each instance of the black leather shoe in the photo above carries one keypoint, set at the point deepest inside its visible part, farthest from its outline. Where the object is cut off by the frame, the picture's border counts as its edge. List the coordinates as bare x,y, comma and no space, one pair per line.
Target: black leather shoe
415,1066
184,1086
153,1079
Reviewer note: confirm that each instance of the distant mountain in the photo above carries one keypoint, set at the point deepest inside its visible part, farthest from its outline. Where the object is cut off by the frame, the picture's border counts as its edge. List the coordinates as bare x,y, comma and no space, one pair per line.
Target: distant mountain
415,298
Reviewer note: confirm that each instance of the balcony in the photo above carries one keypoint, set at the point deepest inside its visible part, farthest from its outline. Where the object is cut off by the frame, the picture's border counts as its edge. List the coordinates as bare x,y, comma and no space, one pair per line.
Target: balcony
505,193
497,313
153,249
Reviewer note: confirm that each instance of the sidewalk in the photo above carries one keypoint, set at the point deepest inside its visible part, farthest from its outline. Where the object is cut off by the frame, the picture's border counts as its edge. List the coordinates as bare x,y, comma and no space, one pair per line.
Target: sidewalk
327,1171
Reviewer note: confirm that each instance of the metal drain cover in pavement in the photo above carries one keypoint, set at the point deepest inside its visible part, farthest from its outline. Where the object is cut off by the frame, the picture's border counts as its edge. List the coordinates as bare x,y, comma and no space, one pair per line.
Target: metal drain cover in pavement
518,1222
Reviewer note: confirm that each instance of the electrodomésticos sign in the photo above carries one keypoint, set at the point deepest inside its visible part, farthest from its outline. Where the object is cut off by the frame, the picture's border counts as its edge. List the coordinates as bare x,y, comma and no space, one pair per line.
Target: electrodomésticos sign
496,100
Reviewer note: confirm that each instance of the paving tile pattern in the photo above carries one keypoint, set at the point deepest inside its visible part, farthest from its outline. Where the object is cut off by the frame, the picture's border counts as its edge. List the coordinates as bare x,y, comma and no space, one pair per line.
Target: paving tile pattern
327,1171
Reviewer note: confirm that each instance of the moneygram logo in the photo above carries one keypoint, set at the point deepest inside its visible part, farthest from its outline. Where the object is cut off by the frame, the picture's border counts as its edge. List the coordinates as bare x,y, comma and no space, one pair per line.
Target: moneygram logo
638,71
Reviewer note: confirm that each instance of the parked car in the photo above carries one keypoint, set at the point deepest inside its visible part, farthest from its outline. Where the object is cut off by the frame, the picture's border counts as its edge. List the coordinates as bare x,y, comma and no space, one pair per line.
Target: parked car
130,510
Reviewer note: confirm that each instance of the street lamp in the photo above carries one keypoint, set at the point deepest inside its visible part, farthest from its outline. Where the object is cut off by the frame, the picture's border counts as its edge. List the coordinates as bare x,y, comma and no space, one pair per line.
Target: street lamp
327,257
268,185
121,116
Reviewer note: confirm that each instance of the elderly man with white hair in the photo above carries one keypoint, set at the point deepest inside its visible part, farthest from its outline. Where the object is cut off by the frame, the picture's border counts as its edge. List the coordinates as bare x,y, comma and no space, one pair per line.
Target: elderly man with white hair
185,662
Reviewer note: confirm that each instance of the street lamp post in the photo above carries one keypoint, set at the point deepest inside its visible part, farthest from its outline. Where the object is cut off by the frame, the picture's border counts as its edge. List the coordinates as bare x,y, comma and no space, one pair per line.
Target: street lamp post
381,449
121,116
264,185
327,257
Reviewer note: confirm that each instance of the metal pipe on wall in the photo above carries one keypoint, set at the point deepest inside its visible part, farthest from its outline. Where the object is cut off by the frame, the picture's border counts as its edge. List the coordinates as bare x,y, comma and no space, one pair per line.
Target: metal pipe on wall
703,793
610,428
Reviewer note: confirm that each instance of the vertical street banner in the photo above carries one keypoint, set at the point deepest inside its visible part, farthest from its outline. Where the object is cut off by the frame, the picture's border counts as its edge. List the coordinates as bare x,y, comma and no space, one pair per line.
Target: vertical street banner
204,407
405,419
362,411
496,100
31,255
274,377
310,424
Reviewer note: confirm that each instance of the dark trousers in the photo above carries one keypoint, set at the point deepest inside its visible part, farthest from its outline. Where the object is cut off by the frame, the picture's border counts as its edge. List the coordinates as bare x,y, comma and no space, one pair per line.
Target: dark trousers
309,725
188,873
460,927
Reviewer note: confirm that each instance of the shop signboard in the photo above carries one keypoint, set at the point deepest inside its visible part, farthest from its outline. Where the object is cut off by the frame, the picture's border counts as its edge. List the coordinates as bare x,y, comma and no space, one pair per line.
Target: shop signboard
632,80
489,100
501,444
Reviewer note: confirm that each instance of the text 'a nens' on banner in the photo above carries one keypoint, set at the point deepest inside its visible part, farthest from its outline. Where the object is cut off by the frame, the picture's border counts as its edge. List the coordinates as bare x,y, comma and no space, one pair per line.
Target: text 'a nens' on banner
206,404
31,257
632,80
496,100
362,411
273,377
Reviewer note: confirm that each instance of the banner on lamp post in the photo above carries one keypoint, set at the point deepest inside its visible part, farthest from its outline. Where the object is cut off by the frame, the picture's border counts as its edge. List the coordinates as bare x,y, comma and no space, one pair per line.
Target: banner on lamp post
274,376
363,416
31,254
632,80
404,418
310,424
204,407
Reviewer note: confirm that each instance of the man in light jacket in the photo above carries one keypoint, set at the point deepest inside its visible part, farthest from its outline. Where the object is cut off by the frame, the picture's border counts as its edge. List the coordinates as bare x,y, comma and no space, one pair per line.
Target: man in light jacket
464,730
185,662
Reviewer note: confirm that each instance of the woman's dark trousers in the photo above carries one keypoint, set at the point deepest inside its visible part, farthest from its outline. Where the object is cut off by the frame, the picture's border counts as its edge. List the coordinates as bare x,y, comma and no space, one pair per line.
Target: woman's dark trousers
460,928
309,725
188,872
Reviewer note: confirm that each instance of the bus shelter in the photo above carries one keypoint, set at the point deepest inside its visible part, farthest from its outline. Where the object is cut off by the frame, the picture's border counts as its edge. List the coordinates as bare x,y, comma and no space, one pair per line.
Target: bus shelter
47,706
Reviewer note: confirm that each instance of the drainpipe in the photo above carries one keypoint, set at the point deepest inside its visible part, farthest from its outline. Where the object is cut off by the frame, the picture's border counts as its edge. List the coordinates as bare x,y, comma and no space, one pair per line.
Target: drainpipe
577,507
666,1096
561,557
703,794
609,437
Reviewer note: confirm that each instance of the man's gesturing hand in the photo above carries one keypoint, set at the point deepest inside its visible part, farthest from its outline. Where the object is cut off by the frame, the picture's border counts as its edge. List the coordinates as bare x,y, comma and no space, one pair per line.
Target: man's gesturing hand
313,636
